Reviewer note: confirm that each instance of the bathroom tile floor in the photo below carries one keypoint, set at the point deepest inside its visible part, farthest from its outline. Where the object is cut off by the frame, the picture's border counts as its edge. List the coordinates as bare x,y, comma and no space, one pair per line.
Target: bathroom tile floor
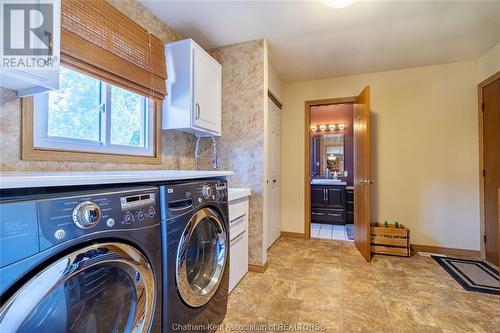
328,231
329,284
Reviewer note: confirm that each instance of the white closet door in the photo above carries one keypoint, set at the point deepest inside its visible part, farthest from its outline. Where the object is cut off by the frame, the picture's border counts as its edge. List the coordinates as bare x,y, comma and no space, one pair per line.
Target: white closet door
207,91
274,173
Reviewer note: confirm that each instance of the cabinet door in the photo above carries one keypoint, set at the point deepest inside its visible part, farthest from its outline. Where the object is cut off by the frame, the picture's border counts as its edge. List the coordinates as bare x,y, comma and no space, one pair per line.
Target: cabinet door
207,84
335,197
317,196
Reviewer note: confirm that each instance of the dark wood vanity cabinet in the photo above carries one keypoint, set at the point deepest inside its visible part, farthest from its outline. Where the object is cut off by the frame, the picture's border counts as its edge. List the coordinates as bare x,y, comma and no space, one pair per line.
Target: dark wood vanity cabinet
349,211
328,204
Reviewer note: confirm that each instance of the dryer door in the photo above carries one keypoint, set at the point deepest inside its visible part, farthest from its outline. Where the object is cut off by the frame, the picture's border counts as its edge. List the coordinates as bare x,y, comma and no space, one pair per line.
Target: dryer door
107,287
201,257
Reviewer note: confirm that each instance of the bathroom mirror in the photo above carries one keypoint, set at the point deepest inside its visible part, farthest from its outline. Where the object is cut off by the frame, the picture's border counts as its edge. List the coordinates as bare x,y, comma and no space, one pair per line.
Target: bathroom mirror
327,153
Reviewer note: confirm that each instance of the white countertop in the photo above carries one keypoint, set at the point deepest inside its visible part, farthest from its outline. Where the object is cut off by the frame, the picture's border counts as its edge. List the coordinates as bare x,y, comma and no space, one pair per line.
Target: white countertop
237,193
47,179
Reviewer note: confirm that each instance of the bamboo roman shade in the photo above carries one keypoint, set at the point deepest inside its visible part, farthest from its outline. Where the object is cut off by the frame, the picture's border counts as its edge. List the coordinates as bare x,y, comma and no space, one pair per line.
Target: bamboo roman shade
98,39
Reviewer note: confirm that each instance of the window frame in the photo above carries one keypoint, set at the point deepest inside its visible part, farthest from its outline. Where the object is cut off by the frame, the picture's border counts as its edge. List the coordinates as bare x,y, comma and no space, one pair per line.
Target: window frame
38,146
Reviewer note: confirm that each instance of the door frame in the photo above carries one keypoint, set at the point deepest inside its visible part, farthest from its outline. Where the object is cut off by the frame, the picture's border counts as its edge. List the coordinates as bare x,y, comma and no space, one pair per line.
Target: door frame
480,88
307,142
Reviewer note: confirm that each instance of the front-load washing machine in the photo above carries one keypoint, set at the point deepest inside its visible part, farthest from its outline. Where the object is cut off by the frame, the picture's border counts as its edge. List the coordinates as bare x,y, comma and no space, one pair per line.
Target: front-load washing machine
82,261
195,239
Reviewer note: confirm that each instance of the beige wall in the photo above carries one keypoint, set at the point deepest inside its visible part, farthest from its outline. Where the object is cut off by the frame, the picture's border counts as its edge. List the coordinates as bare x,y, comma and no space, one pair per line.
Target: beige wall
425,150
241,147
177,147
489,63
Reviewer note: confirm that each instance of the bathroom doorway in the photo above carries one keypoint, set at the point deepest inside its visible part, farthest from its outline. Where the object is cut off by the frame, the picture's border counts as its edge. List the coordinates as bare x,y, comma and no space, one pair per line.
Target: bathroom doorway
337,170
332,167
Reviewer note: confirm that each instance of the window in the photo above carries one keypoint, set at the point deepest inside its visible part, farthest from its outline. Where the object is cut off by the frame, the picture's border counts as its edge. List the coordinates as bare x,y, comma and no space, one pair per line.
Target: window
89,115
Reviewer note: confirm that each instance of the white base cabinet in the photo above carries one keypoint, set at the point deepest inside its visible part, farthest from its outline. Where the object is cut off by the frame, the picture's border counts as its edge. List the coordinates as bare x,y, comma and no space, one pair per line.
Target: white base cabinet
238,234
194,90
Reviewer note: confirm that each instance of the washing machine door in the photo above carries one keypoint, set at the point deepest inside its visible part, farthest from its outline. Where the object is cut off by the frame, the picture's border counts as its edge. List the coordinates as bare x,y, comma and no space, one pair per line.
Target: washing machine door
201,257
106,287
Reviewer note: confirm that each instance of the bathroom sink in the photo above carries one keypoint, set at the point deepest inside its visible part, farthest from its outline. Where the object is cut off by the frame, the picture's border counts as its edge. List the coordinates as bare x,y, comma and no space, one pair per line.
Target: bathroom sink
322,181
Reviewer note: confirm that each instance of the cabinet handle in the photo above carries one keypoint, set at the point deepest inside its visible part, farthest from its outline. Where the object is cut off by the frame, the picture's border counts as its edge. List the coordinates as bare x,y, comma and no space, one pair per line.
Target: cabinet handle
237,237
319,214
237,220
197,111
335,215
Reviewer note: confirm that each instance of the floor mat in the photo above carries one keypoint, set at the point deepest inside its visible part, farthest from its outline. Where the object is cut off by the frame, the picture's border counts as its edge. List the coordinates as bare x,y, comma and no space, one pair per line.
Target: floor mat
473,275
349,229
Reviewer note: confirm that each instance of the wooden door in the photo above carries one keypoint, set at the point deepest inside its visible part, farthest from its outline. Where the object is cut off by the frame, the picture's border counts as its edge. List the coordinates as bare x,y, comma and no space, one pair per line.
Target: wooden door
273,133
362,173
491,149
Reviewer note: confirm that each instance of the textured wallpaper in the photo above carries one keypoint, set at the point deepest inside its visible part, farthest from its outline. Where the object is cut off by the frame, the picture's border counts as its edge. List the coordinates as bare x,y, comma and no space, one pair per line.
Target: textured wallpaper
177,147
242,143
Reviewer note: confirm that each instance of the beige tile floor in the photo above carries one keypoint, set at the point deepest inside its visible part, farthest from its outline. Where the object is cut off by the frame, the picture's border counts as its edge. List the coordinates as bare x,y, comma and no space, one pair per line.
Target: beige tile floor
327,283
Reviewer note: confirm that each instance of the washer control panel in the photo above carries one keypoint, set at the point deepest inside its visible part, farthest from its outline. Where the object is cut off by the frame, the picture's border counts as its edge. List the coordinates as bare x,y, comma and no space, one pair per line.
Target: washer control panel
212,192
61,219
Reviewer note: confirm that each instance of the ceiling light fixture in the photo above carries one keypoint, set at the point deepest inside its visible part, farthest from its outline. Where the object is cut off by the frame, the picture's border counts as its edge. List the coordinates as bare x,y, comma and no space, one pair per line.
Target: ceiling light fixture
338,4
314,128
332,127
322,127
341,126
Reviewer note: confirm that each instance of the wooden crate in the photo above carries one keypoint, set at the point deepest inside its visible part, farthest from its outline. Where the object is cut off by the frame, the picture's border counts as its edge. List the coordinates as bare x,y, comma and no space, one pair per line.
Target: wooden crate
390,240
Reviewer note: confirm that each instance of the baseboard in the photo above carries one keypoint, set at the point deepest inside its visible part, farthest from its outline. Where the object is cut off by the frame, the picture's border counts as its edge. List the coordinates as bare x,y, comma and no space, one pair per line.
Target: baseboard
293,234
472,254
257,268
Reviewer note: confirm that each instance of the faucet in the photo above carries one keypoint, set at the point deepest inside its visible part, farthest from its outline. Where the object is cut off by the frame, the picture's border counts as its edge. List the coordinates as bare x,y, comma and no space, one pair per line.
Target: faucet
215,162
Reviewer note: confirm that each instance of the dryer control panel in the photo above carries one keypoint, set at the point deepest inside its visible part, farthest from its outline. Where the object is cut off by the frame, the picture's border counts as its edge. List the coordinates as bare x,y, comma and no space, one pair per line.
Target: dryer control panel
61,219
178,198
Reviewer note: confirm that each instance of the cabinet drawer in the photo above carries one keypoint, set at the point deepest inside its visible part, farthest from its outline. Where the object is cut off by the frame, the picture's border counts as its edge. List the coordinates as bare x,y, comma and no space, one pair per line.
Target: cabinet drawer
350,195
237,208
238,260
349,207
327,216
237,226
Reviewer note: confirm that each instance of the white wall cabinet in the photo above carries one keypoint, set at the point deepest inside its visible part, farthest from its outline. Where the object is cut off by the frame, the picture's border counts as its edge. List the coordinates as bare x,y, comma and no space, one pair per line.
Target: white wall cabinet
28,80
194,90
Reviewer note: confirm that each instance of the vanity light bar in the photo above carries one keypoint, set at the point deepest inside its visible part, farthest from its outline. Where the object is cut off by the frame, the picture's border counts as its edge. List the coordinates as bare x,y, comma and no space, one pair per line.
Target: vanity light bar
332,127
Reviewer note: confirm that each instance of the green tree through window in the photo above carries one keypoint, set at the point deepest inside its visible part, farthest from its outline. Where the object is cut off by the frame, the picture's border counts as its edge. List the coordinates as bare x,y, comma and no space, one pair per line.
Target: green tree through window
78,111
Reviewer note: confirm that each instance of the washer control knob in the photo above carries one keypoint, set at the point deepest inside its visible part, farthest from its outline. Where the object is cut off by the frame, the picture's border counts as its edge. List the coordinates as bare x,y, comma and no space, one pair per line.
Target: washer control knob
110,222
206,191
59,234
128,218
86,215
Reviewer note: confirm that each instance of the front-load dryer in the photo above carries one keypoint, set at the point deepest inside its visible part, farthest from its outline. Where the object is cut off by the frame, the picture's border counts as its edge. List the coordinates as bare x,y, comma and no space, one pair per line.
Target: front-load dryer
86,261
195,238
